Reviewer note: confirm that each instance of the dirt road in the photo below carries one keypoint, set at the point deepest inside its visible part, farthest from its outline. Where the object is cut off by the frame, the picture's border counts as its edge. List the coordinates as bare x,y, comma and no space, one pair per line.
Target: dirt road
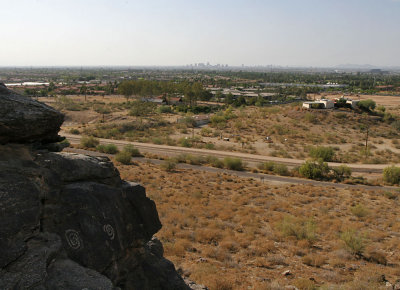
251,159
259,176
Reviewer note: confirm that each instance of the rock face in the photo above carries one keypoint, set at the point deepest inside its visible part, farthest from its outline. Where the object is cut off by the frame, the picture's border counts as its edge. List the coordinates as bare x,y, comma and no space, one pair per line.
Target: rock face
25,120
67,221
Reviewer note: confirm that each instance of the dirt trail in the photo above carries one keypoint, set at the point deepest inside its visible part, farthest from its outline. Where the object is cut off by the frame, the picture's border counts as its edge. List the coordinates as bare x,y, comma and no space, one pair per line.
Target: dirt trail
251,159
276,179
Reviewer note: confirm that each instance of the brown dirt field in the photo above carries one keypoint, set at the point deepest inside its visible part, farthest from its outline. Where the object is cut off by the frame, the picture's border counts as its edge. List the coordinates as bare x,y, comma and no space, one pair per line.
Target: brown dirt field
237,233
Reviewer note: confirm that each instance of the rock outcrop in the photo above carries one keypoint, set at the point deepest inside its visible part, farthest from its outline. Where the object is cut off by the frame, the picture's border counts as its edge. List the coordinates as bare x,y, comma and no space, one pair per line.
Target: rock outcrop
24,120
67,221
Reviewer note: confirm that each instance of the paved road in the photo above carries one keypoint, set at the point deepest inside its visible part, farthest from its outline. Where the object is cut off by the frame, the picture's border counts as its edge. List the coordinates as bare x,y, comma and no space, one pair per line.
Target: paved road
250,159
260,176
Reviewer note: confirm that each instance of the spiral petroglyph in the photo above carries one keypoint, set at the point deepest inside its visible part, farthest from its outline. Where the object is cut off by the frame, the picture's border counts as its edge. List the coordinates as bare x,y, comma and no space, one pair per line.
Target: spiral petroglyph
109,230
73,239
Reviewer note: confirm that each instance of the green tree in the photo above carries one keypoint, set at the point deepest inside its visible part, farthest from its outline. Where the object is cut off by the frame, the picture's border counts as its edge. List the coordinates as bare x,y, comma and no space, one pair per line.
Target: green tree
314,170
321,152
83,90
391,174
367,105
126,88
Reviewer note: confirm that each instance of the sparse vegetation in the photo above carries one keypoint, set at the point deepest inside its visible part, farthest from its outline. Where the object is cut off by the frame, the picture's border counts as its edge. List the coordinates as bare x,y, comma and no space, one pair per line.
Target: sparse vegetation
134,152
324,153
342,172
391,174
109,148
359,211
218,223
74,131
233,163
354,241
123,157
301,229
314,170
168,165
367,105
89,142
272,167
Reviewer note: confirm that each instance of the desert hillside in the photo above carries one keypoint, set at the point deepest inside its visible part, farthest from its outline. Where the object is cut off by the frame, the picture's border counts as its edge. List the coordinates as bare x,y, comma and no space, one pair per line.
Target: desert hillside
234,233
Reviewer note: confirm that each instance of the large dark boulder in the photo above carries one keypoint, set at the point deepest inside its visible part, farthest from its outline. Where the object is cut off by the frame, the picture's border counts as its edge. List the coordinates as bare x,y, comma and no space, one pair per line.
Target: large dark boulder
68,221
72,214
23,120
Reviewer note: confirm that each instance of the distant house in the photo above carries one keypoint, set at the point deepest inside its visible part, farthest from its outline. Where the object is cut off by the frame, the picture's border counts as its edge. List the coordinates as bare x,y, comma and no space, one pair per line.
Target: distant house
157,100
328,104
353,103
174,100
319,104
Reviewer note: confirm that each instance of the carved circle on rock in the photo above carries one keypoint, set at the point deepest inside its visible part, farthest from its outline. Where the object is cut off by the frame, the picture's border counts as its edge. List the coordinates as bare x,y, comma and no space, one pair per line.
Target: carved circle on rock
73,239
109,230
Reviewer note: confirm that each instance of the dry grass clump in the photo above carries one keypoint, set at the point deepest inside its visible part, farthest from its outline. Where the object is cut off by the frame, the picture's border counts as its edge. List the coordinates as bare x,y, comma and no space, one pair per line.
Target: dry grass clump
235,233
314,260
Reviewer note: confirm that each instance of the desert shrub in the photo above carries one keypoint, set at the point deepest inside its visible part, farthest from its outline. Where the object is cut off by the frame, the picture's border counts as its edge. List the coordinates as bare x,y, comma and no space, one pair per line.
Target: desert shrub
194,159
89,142
305,284
301,229
65,143
314,260
367,105
139,108
267,166
341,115
391,174
359,211
164,109
321,152
381,108
396,125
281,169
210,146
184,142
134,152
168,165
376,256
109,148
221,284
233,163
390,194
355,243
218,121
314,170
206,132
64,103
342,172
74,131
215,162
123,157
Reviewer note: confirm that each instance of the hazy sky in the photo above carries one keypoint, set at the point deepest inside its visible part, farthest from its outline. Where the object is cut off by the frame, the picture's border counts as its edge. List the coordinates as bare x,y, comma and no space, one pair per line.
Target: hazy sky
179,32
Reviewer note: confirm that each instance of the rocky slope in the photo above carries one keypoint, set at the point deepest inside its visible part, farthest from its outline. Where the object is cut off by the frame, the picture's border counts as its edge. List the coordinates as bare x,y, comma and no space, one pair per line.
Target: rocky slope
67,221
